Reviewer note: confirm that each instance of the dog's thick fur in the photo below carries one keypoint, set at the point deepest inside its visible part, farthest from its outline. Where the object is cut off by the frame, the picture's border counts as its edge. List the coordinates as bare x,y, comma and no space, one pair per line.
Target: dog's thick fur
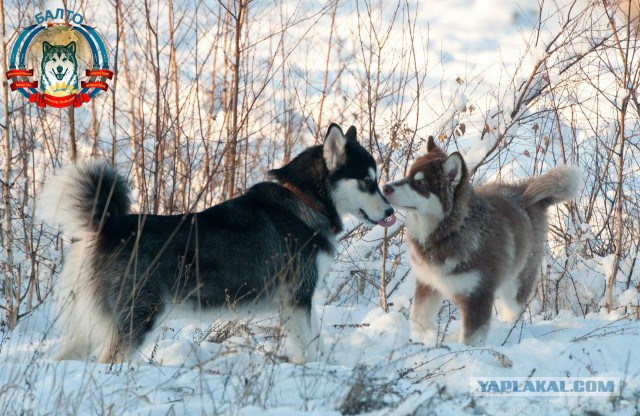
264,251
470,245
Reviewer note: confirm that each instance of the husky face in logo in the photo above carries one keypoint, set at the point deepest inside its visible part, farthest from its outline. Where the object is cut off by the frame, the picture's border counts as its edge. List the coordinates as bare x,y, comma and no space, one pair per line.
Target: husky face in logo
59,69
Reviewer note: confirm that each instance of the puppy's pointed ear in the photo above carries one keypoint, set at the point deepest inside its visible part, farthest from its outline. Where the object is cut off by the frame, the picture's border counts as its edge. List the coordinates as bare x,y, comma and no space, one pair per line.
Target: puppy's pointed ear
431,144
454,169
352,134
71,46
334,148
46,46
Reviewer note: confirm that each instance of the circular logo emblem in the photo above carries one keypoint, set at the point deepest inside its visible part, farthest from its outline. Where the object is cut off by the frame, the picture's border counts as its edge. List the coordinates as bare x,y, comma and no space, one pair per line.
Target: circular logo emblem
59,64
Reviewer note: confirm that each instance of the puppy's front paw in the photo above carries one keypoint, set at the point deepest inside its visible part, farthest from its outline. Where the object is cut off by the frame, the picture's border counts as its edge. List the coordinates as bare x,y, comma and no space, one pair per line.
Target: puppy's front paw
427,336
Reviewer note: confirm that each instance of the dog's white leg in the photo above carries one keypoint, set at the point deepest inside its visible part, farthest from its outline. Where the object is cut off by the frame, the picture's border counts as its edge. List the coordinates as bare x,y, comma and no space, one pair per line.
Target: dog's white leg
112,351
426,304
509,294
316,347
324,261
68,295
77,344
74,348
297,324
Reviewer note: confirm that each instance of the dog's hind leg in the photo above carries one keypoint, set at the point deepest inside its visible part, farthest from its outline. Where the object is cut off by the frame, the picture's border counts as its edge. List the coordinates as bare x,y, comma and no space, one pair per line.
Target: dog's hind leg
426,304
74,348
84,323
528,278
136,317
119,346
78,343
114,351
509,295
87,331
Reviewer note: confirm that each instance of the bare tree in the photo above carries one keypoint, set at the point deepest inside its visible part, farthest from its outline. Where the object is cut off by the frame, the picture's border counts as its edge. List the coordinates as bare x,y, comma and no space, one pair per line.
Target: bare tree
7,240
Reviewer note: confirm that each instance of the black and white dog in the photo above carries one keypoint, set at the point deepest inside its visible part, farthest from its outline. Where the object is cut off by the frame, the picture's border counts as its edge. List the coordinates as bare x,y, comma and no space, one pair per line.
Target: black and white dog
470,244
261,252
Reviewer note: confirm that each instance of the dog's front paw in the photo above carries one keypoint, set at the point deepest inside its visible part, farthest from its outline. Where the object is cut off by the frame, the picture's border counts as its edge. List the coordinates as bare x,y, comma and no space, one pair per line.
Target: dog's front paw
314,351
427,336
476,339
297,359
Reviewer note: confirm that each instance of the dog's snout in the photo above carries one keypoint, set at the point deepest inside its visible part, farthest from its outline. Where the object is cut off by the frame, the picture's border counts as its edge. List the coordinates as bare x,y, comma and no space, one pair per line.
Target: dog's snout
387,189
59,68
389,212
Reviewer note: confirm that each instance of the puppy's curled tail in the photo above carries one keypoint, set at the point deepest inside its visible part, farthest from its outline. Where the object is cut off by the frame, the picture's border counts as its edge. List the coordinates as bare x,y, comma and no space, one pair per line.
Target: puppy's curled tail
560,184
80,198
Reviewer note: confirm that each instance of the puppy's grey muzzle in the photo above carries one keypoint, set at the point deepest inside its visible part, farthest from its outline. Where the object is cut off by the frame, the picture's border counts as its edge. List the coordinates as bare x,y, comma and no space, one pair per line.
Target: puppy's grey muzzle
389,188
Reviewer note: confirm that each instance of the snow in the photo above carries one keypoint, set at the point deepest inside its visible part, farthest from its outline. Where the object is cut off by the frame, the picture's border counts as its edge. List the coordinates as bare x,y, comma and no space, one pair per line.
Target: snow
371,365
237,377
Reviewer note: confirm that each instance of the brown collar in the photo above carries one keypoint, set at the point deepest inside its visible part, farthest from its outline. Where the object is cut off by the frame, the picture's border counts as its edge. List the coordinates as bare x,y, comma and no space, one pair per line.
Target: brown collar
302,197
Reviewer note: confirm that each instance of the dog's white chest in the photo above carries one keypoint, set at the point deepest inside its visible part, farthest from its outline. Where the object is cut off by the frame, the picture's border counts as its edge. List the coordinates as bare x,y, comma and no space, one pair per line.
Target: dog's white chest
440,277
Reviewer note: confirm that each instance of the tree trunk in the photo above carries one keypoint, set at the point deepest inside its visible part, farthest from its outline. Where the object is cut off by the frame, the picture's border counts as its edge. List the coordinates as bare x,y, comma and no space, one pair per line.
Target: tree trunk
114,85
619,201
179,168
239,19
72,133
319,128
158,159
8,282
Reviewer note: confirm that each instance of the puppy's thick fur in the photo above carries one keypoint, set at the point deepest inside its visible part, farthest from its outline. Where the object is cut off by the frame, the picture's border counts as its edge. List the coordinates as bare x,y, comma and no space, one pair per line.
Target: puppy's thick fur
470,245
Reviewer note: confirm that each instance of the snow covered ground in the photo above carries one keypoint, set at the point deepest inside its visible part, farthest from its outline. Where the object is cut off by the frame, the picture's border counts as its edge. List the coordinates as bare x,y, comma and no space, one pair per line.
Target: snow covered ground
370,365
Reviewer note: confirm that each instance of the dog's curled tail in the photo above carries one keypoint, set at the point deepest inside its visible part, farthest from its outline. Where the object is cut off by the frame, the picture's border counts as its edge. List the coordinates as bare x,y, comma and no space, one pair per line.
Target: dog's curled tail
81,197
560,184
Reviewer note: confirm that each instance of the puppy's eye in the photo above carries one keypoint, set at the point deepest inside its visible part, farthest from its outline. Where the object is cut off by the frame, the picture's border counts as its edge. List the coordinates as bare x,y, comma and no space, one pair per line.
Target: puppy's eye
419,182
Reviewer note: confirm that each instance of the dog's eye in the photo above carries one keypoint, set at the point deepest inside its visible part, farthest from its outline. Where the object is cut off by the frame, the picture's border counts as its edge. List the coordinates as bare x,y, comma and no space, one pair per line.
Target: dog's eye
419,182
64,59
366,184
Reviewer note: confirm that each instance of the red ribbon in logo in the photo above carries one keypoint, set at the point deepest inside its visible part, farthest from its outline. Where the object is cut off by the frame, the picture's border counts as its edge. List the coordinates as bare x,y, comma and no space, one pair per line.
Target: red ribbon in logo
94,84
43,100
99,73
20,73
23,84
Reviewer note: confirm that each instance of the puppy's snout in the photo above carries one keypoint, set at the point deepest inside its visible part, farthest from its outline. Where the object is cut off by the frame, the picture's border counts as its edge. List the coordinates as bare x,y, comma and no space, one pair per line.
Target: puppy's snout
389,212
387,189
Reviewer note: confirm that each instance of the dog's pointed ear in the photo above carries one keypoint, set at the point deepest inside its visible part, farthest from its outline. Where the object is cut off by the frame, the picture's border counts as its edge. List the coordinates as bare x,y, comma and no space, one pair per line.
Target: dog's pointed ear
352,134
431,144
71,46
46,47
334,148
454,169
279,174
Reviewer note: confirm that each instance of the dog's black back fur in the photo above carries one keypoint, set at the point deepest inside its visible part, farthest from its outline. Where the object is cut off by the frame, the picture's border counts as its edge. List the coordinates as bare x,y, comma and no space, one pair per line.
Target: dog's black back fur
241,249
